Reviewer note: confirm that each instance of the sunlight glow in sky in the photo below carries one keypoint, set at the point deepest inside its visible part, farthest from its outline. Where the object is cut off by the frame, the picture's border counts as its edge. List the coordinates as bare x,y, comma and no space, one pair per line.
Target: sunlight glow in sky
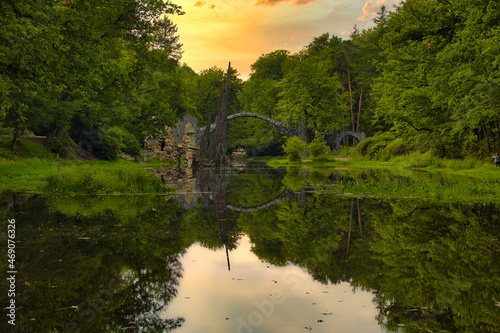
215,32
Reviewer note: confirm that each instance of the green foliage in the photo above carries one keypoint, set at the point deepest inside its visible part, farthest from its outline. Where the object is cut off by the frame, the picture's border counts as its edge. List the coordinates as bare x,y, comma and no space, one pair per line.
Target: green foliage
309,93
373,147
294,147
439,73
105,178
318,147
77,65
419,160
208,88
270,66
64,146
396,147
27,147
258,137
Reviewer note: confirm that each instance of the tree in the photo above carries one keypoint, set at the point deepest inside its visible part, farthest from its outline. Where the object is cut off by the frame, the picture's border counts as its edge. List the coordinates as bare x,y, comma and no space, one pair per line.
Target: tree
208,91
318,147
440,69
270,66
294,147
309,93
66,62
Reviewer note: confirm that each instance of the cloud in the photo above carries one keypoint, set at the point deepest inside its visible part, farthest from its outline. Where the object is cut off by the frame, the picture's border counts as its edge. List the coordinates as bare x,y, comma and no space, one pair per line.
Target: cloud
302,2
370,9
296,3
269,2
202,3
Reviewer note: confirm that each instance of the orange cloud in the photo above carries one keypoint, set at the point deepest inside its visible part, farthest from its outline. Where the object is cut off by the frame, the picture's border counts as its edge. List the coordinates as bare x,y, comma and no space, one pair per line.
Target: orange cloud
276,2
200,4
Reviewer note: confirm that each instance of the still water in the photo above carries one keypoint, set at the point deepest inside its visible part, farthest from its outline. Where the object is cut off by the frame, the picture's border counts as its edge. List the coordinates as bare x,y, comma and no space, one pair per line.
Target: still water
252,250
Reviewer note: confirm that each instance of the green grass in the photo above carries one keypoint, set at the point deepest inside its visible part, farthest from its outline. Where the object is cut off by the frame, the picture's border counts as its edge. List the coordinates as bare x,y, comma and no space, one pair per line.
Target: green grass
415,161
104,178
27,147
69,178
26,175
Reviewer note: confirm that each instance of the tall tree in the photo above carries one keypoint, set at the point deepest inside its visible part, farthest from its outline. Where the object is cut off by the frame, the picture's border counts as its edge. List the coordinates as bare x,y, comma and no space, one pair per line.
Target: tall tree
440,74
66,60
309,93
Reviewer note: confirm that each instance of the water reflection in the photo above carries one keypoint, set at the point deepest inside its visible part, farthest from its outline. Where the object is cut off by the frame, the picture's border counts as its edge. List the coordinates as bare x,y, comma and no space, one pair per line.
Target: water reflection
150,263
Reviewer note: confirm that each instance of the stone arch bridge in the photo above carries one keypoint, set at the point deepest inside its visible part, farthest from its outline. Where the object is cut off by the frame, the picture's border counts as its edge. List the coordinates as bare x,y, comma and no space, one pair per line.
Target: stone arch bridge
333,139
165,144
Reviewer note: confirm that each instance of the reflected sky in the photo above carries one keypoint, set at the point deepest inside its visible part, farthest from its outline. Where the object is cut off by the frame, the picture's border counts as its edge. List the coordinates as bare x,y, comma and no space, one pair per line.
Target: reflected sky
258,297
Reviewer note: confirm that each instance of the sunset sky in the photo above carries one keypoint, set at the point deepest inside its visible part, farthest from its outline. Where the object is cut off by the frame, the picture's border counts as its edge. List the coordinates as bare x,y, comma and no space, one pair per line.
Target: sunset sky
215,32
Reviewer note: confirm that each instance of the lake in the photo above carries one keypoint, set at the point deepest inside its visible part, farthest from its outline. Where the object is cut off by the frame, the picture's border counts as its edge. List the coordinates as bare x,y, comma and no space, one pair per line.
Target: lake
252,249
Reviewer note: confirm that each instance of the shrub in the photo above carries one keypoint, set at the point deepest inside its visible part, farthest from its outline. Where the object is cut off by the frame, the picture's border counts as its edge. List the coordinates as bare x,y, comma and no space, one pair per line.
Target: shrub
420,160
395,148
131,144
294,147
374,146
318,147
64,146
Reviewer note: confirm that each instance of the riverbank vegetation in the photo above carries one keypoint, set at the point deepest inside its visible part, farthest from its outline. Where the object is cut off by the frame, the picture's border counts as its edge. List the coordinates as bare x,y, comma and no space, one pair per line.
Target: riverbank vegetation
61,177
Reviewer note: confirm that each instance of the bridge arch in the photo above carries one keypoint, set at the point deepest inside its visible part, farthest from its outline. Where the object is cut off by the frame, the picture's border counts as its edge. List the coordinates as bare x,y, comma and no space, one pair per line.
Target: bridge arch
288,131
360,136
333,139
283,196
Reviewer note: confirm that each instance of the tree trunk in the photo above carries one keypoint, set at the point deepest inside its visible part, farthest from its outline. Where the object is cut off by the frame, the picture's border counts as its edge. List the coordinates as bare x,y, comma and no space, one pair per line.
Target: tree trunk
15,138
80,136
350,102
50,137
486,136
359,106
349,234
344,139
359,218
498,134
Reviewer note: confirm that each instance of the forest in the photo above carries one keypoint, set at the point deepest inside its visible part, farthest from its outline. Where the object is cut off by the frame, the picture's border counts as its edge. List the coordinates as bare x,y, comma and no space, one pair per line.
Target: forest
94,78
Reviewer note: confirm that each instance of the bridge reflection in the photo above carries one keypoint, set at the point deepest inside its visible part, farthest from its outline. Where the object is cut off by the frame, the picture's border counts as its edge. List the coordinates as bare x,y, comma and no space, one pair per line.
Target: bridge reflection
213,185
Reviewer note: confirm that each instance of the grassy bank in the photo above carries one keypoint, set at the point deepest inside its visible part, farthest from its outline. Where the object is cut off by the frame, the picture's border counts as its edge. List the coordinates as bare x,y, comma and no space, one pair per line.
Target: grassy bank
415,161
69,178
